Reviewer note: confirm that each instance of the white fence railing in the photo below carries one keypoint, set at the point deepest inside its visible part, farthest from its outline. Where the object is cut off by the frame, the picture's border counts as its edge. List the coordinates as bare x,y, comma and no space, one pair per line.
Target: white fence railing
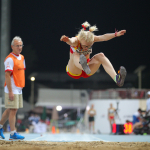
119,94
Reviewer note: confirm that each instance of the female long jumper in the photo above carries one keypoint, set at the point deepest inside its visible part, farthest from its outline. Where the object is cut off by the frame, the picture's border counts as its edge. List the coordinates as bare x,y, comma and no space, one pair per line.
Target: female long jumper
80,64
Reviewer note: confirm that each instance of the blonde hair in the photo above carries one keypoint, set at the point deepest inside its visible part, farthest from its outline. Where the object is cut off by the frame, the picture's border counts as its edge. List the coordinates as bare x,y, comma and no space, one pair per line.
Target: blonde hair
88,36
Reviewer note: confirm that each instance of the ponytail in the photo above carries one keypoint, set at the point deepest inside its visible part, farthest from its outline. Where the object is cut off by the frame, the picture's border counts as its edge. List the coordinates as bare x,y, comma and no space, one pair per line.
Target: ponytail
87,35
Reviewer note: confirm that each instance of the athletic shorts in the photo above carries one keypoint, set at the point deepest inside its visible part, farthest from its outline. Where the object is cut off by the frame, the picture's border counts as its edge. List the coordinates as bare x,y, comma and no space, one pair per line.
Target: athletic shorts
16,103
82,74
135,119
111,117
91,119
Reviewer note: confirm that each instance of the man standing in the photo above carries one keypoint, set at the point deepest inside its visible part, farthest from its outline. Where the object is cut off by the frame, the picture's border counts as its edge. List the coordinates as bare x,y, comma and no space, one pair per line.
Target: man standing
14,82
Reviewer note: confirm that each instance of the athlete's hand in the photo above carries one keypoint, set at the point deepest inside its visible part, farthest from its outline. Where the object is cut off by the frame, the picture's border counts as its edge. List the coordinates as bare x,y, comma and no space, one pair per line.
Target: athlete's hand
11,96
120,33
64,38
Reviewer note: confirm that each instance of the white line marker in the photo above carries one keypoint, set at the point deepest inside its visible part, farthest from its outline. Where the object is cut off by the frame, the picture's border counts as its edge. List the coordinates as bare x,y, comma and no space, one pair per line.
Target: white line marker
100,139
38,138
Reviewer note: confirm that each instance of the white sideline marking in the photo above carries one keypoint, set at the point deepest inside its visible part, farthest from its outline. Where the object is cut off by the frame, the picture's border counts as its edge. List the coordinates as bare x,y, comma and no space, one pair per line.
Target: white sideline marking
99,139
38,138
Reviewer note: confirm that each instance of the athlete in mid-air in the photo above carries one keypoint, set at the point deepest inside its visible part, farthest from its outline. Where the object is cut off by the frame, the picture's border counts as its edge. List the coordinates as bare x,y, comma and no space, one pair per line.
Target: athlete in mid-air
80,64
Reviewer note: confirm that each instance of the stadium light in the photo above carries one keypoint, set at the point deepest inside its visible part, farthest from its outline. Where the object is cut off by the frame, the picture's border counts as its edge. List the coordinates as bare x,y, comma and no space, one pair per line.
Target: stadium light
32,78
58,108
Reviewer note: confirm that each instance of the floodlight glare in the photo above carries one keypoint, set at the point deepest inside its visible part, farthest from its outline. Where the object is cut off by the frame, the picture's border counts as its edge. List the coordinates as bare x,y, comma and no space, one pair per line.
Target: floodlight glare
32,78
58,108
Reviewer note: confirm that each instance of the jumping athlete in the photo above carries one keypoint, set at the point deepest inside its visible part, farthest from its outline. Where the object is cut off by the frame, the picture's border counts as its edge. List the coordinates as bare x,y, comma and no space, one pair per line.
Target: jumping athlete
80,64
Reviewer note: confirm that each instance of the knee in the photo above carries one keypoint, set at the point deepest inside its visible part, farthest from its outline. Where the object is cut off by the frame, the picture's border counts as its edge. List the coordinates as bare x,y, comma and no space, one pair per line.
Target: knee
99,56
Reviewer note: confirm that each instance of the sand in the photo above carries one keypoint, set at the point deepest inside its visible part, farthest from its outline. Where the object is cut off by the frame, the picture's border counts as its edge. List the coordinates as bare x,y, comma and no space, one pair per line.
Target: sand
98,145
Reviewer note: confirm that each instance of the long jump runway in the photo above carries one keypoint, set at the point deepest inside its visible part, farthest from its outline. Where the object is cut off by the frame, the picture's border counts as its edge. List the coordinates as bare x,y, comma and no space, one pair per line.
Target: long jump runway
68,137
68,141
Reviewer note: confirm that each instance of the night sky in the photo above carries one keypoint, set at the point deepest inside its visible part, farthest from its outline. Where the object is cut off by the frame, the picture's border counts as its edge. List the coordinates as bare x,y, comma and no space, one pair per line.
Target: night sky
41,23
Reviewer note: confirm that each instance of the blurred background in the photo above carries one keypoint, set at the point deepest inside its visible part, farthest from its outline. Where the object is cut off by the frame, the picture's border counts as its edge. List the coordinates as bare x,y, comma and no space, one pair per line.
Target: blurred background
54,102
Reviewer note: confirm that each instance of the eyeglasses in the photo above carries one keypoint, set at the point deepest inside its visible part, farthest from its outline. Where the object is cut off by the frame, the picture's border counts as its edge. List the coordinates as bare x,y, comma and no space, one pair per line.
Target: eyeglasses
84,46
18,46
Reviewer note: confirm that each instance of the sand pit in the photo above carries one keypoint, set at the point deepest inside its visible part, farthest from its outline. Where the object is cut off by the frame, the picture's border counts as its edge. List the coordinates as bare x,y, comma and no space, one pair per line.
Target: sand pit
98,145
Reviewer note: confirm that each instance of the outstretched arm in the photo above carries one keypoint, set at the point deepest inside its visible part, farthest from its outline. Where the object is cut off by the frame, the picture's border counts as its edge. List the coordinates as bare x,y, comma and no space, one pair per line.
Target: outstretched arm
109,36
70,41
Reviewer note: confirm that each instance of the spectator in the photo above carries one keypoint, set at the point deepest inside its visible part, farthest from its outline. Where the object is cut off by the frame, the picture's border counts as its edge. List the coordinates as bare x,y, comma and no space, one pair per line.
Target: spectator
39,127
136,116
111,115
91,113
142,121
37,118
31,118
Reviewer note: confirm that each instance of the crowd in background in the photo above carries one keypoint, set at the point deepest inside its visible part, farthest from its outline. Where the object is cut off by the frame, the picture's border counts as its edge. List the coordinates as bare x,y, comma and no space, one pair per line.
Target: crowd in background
34,124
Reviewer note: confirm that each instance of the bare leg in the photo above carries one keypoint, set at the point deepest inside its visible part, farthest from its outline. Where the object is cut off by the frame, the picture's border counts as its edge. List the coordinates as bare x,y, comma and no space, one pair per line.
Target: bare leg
74,65
113,120
12,119
93,127
5,116
90,126
110,125
76,59
99,59
137,124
